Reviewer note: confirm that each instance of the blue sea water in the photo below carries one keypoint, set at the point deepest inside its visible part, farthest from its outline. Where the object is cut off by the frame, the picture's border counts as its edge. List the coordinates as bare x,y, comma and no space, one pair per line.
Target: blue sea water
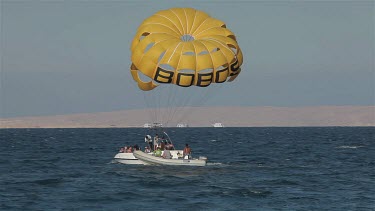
327,168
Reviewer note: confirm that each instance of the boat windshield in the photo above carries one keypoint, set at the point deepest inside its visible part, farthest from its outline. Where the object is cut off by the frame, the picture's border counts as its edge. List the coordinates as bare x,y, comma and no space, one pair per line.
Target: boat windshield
158,130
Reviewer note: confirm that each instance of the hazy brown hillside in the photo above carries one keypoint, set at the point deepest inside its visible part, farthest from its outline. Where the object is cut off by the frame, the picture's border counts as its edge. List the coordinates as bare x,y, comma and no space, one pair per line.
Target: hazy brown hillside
205,116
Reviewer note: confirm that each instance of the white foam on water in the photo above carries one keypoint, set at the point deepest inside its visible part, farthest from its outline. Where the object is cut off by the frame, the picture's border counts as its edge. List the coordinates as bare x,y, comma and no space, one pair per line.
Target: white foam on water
256,192
214,164
349,147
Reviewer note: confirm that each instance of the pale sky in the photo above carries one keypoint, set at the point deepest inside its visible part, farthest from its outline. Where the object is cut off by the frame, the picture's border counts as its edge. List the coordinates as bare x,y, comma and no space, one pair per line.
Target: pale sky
63,57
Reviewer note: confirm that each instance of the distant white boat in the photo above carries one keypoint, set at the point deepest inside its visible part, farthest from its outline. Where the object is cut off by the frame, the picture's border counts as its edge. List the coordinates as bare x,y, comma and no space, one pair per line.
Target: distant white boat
218,124
182,125
147,125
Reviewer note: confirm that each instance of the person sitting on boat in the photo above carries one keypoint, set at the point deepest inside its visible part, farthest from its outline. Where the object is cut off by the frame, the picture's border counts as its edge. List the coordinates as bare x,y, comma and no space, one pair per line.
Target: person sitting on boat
129,150
187,151
147,150
169,145
158,152
167,154
122,150
179,155
136,147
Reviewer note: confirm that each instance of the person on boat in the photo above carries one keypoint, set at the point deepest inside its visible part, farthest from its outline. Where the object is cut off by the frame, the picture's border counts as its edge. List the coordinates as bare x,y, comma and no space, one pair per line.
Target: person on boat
158,152
187,151
136,147
129,150
167,154
148,140
156,141
162,144
147,150
169,145
122,150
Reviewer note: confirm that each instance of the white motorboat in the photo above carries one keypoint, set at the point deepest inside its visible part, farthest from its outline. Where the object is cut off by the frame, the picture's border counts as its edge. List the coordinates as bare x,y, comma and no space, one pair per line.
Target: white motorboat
127,158
182,125
139,157
147,125
218,124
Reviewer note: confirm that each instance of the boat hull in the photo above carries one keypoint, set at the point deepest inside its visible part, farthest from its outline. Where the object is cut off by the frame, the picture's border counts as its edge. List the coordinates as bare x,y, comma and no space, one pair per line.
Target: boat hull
128,158
152,160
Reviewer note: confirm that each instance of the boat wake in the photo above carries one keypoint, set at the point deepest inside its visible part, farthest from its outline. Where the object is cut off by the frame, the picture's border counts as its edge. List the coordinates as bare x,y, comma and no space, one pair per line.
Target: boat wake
214,164
113,161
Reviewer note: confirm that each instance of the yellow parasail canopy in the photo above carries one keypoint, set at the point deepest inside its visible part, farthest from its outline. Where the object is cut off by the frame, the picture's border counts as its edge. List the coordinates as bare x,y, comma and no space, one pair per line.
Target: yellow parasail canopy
186,47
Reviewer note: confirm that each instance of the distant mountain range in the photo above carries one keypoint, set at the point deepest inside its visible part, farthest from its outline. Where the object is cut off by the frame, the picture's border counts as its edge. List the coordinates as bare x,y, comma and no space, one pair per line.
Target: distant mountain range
206,116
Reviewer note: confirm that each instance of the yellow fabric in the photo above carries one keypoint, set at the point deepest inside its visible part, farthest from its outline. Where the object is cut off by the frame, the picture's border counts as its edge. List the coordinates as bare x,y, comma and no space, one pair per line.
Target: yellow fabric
185,47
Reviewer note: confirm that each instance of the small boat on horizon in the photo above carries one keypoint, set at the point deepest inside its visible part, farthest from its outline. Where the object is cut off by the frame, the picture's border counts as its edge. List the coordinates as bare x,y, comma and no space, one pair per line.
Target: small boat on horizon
218,124
147,125
182,125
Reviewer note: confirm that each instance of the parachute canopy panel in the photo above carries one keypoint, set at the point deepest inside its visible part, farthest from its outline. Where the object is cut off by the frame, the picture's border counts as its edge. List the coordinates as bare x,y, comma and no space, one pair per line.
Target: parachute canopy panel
178,46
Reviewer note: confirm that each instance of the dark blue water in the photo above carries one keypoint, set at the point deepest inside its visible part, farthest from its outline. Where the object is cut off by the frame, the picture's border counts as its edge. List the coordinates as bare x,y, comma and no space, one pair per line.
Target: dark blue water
331,168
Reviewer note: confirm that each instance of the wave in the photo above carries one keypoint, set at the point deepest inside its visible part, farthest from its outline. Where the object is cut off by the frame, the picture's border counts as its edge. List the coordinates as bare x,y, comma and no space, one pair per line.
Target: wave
349,147
249,192
48,182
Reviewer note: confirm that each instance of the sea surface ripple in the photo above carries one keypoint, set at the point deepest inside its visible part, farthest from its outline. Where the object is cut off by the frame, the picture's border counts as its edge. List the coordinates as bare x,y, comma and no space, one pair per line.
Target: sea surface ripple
318,168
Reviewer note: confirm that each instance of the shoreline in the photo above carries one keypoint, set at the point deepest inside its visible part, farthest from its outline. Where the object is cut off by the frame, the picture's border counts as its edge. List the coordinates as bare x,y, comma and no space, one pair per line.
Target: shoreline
319,116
